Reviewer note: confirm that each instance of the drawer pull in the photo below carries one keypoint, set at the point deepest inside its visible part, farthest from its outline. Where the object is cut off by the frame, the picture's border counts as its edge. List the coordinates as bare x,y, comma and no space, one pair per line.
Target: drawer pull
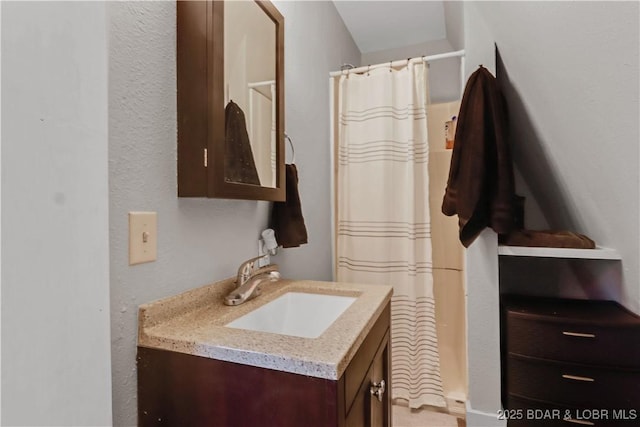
577,378
578,334
377,389
581,422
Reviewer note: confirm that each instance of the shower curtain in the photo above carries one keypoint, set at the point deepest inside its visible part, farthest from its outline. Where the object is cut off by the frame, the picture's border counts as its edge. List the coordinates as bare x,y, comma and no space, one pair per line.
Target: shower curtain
383,229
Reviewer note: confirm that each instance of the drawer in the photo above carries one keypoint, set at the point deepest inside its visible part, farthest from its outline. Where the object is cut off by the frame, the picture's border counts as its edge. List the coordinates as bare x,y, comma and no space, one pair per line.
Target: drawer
523,412
579,342
565,383
579,331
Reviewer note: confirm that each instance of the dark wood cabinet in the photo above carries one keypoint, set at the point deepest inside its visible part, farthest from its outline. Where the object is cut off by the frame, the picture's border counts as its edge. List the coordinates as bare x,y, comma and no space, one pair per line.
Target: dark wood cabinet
180,389
205,152
579,358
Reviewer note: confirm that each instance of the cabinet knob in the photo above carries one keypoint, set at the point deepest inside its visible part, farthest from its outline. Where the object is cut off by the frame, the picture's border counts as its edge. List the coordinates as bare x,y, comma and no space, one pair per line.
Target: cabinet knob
578,334
581,422
378,389
577,378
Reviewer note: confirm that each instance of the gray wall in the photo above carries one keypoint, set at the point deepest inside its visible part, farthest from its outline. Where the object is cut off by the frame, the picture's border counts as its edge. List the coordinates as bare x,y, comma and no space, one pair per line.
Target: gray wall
444,74
569,71
56,366
454,23
201,241
316,42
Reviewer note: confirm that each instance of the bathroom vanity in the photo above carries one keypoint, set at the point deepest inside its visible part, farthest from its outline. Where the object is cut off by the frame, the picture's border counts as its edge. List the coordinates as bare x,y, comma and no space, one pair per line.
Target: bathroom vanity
194,369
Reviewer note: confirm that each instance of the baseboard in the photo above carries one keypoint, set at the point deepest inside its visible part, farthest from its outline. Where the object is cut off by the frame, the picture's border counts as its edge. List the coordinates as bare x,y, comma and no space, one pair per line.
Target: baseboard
456,404
482,419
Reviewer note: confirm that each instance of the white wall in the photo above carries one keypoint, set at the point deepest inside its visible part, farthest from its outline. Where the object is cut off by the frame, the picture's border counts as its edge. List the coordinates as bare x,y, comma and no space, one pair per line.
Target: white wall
0,214
569,71
55,254
481,271
200,240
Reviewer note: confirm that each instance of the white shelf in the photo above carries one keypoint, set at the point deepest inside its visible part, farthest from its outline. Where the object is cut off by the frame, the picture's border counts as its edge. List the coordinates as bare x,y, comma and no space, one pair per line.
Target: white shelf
525,251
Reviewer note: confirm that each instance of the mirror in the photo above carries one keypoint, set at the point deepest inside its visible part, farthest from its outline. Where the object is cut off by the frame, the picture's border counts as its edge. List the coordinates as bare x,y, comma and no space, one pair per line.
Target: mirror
230,58
250,94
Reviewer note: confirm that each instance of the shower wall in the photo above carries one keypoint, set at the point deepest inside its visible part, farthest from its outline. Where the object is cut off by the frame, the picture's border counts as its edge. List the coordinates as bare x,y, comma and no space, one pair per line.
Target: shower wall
448,264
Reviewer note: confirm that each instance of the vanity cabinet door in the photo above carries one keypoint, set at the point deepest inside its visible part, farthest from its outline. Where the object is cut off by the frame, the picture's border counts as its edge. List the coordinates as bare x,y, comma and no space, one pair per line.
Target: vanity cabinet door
368,409
379,406
378,393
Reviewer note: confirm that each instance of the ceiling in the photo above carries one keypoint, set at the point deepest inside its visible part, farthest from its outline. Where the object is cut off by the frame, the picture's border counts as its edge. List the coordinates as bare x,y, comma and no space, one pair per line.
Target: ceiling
380,25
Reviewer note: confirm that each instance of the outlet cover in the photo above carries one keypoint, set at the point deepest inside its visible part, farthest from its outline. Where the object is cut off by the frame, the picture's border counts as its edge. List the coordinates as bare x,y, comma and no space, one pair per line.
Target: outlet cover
143,237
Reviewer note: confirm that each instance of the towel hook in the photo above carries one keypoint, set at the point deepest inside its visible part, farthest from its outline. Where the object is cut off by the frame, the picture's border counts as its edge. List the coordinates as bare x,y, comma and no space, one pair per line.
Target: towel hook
293,150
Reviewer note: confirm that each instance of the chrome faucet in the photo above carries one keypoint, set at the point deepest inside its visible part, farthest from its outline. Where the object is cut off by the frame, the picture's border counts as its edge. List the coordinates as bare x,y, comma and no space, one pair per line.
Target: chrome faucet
249,280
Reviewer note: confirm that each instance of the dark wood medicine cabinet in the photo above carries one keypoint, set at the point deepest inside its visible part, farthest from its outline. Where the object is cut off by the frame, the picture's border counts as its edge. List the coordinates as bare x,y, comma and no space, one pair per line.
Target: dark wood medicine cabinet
230,53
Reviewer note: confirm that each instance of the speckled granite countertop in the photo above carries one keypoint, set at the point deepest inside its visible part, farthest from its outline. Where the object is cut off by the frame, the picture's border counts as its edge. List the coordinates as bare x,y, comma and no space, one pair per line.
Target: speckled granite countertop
192,323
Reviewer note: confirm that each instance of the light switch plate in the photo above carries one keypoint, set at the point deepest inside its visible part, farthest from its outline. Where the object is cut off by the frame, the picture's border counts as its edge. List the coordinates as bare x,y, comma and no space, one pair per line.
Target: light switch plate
143,237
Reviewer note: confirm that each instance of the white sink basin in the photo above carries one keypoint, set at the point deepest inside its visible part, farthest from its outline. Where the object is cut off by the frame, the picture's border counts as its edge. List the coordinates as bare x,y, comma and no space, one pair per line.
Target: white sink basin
295,313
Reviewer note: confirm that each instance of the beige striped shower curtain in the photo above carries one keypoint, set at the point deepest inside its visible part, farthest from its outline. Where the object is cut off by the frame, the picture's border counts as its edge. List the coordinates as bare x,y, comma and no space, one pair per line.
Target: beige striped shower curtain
383,231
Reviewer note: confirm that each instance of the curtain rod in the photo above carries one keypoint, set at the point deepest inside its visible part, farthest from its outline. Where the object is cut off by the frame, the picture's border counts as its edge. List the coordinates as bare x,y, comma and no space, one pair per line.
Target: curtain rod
400,63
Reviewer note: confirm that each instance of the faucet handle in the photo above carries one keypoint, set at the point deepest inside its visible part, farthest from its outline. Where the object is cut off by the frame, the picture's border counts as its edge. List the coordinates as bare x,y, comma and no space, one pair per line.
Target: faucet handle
246,270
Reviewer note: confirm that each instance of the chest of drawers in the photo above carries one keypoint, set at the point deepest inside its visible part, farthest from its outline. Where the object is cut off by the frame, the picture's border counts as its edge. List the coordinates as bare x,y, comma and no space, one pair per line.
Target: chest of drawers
570,362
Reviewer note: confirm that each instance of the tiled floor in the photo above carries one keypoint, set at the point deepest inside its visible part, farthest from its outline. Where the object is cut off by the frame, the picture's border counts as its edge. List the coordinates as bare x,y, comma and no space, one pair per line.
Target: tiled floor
405,417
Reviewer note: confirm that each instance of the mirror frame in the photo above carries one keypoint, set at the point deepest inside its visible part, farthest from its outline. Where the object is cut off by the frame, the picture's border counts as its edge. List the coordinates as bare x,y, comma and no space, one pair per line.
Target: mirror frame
200,104
217,184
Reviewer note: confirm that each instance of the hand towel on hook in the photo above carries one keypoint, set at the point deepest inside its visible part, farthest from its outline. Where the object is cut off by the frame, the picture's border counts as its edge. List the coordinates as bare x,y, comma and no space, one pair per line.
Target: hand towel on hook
286,217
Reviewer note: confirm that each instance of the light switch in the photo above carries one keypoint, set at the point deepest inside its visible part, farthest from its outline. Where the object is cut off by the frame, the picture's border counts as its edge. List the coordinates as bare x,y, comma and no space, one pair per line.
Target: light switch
143,237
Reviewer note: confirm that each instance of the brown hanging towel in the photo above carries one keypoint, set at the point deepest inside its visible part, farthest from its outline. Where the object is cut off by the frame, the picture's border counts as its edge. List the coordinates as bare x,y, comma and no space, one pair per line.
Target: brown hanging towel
239,165
286,217
480,188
